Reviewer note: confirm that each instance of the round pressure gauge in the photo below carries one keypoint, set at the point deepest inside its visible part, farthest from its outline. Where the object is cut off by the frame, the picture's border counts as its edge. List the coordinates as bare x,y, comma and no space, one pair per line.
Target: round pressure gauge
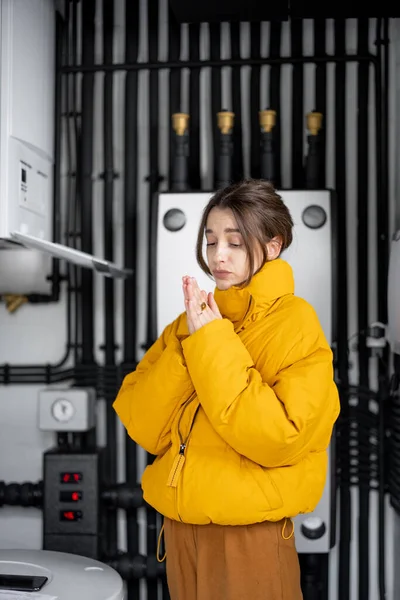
174,219
63,410
314,216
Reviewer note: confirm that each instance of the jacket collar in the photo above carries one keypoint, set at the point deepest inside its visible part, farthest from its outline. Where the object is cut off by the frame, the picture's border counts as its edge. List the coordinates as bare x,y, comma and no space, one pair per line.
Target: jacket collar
275,279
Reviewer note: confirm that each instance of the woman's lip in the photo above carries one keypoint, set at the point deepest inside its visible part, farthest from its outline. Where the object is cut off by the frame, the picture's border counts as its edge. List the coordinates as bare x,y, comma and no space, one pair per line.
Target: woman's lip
221,273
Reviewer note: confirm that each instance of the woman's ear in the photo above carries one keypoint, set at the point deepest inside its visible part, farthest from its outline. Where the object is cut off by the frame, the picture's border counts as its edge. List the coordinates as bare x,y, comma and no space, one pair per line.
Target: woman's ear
274,247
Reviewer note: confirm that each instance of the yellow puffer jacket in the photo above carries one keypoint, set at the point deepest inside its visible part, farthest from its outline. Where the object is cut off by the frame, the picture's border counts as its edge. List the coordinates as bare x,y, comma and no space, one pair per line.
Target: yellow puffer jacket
240,413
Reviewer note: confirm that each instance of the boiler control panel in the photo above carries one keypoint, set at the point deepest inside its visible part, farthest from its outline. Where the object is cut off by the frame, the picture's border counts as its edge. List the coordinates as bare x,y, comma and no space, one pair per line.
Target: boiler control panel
72,509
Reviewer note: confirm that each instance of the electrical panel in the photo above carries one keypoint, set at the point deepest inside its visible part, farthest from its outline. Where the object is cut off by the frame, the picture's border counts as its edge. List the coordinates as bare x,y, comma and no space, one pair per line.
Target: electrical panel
70,409
178,219
27,90
72,511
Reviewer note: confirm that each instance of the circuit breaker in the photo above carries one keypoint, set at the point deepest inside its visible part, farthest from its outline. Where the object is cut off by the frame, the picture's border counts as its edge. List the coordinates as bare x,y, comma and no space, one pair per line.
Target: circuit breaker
73,516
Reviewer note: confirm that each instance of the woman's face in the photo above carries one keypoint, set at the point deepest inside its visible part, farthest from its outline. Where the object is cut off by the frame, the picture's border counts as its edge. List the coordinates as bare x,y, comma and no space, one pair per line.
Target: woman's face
226,252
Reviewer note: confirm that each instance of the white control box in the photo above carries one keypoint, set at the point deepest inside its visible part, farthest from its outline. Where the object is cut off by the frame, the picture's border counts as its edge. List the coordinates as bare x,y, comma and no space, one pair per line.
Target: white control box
67,409
27,90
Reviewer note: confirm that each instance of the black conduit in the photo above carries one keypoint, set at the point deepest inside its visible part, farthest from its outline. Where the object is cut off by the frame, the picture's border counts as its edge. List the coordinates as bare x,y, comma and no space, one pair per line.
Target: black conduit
236,94
180,153
130,258
88,39
216,90
194,109
255,52
342,313
313,161
320,96
275,95
362,306
226,121
108,225
77,200
60,38
382,211
267,150
174,48
296,38
154,178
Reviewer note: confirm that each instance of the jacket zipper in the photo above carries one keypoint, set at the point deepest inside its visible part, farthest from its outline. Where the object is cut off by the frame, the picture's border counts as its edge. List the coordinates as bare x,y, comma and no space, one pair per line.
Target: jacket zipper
180,458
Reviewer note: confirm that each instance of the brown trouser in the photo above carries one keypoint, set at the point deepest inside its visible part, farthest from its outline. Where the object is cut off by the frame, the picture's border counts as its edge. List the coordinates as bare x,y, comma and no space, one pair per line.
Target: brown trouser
213,562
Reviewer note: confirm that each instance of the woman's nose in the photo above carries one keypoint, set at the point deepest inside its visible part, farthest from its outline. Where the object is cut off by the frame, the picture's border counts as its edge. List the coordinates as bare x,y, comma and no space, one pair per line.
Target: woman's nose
221,252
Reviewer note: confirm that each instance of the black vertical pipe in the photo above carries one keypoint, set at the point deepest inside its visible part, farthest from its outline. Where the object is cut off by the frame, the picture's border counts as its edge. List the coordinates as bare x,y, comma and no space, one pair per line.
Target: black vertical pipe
362,304
60,37
216,90
267,150
154,174
382,231
255,52
320,95
342,313
88,40
76,211
154,177
225,149
194,109
275,94
314,567
130,258
174,49
296,38
313,161
236,93
180,153
108,225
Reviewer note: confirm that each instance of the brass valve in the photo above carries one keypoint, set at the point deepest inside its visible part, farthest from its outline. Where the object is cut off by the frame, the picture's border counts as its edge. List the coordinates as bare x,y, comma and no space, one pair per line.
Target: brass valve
267,120
225,121
180,123
314,122
14,301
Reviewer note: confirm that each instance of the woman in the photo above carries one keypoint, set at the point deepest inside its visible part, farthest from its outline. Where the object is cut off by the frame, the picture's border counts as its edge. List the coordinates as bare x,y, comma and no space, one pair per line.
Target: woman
237,401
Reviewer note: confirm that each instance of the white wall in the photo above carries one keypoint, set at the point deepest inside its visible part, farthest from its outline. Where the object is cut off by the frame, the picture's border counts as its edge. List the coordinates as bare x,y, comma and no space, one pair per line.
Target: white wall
37,334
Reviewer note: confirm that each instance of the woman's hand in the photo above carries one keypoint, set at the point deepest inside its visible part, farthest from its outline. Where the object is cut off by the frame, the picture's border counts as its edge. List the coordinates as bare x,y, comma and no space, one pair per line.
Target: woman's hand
201,307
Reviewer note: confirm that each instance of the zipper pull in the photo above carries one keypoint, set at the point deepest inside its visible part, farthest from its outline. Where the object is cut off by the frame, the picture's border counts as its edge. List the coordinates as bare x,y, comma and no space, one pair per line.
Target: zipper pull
177,467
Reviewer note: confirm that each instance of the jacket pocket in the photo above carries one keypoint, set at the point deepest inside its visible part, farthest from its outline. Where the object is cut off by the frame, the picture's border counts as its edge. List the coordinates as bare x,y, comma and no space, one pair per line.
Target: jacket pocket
265,483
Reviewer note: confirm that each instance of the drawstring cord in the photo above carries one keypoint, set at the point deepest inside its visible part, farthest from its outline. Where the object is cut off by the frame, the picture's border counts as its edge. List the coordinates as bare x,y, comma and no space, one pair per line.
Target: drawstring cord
284,527
160,536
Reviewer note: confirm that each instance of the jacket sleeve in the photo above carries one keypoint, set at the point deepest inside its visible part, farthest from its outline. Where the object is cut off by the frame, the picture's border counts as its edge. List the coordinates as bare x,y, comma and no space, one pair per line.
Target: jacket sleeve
150,396
271,425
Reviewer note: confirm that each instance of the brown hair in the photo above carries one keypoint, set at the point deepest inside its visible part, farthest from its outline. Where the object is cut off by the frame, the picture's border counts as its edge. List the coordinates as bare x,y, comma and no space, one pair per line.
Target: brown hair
260,214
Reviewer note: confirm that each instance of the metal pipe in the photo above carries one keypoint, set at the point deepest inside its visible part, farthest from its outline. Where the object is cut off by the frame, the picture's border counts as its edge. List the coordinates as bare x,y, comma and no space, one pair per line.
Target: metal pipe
109,303
364,449
130,257
381,124
179,158
87,298
267,119
275,94
174,48
296,38
194,108
320,92
313,161
216,90
199,64
154,179
255,51
342,313
225,120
